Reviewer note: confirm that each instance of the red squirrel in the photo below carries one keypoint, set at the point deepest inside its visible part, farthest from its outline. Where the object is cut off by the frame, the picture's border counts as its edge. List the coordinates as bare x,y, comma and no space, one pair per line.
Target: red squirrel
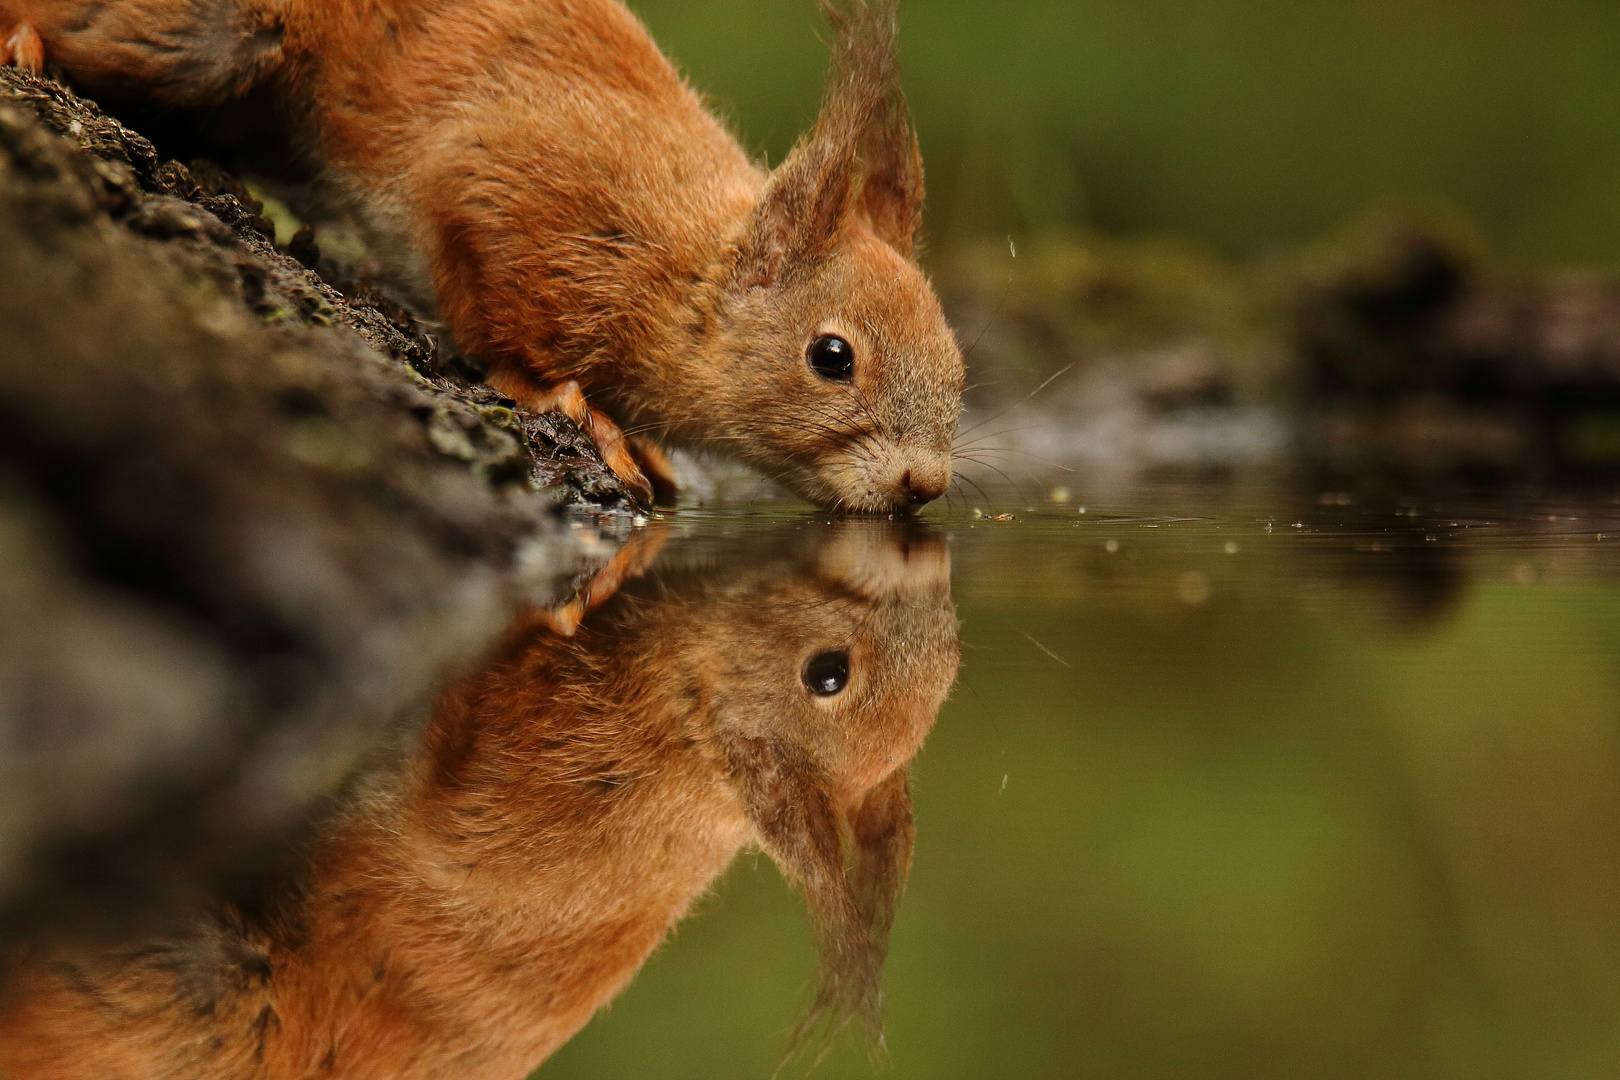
585,225
569,800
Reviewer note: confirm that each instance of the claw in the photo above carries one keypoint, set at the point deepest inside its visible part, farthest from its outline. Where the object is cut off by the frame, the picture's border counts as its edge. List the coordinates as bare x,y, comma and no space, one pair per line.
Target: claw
656,467
618,453
25,49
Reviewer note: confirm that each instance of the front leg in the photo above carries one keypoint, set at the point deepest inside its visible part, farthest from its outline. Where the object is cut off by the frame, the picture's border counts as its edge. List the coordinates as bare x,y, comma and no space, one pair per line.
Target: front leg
569,400
25,50
656,467
180,52
618,452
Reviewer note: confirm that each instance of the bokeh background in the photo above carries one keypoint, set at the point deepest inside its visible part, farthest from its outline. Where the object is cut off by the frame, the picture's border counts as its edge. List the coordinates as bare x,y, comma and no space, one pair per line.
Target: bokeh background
1246,125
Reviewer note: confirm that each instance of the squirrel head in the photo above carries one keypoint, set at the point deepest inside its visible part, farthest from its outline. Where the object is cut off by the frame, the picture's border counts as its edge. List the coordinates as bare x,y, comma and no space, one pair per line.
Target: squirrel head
805,674
820,688
841,376
839,664
774,694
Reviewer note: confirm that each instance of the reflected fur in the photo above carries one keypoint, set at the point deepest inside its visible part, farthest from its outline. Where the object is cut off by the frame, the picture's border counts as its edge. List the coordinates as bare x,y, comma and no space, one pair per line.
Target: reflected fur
571,799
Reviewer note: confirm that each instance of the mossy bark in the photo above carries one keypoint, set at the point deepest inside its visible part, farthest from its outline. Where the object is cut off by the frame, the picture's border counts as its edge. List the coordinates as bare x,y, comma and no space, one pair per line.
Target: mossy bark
245,525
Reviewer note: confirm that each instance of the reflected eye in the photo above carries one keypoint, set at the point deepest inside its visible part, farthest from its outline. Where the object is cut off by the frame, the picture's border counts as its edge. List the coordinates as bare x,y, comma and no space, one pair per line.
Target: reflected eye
832,358
826,672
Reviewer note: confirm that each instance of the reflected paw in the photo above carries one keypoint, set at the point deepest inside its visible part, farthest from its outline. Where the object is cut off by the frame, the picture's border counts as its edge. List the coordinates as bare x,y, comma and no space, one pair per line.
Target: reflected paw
631,560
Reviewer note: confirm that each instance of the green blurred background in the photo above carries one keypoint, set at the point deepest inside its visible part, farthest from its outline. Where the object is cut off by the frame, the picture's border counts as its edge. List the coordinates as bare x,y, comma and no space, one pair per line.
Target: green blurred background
1246,124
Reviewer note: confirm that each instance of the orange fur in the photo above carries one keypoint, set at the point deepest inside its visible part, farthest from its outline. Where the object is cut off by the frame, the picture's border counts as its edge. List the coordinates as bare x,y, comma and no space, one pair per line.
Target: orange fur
577,214
569,801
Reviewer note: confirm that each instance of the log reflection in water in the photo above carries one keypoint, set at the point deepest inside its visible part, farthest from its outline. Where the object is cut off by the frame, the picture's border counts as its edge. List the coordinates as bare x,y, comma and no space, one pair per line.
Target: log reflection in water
570,800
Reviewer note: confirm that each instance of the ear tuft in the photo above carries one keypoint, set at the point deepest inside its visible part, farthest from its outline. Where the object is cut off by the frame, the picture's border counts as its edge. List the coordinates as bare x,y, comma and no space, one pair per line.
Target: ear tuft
806,202
861,156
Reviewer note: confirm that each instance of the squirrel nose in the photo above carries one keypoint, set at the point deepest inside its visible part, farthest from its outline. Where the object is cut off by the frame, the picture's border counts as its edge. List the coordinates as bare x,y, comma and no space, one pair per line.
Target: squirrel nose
921,489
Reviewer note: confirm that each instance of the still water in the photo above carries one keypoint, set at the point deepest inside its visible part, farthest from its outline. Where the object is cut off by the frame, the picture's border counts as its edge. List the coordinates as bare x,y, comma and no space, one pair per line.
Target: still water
1241,779
1237,780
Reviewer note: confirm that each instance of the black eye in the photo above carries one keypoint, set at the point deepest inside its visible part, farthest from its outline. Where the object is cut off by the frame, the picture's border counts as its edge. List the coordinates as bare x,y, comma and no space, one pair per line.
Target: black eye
826,672
833,358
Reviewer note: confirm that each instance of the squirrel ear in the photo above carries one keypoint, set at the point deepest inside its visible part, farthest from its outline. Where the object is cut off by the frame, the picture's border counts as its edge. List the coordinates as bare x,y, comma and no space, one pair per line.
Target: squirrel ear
866,105
805,203
893,193
862,153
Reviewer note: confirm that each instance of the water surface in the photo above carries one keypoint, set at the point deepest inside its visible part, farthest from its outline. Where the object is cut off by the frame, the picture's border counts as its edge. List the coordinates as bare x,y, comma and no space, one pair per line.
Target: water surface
1238,780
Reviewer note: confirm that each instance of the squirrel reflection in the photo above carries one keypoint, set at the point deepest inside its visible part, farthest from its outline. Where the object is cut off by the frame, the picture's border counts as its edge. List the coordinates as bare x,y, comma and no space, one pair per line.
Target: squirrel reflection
568,802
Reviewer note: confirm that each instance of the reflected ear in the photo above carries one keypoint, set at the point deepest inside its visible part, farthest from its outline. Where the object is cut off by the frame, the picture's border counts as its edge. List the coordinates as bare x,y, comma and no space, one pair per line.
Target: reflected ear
790,805
883,834
804,206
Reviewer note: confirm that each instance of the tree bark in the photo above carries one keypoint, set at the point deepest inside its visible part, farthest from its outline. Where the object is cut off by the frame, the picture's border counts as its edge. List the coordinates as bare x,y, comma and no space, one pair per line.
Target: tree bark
246,524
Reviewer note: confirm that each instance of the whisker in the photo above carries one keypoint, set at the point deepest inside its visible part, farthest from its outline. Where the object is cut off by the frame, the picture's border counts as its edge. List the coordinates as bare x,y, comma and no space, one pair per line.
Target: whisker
969,456
1010,481
1043,648
999,433
977,486
1049,381
995,313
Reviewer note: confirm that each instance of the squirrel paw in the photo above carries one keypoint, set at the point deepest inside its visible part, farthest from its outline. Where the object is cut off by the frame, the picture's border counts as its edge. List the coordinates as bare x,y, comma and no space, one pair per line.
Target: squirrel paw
25,50
656,467
568,399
